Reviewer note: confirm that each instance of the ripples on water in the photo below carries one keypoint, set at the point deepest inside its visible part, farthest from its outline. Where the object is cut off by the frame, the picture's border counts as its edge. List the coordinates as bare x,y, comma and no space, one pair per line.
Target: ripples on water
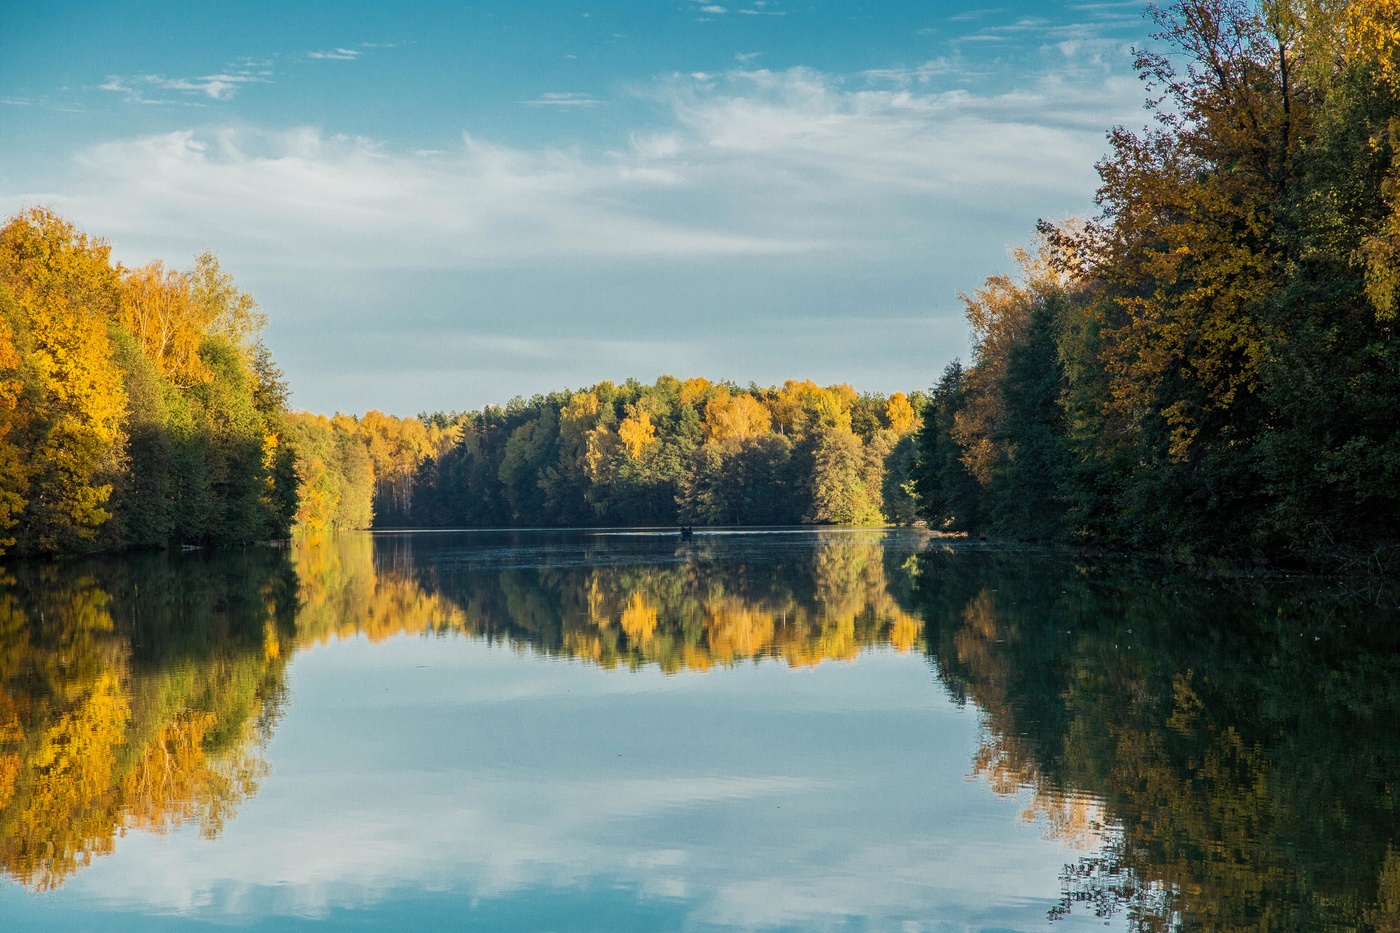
332,735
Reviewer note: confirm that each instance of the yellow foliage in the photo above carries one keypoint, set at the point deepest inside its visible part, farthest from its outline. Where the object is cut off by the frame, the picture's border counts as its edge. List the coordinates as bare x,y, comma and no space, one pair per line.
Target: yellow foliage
158,309
64,296
1372,28
580,414
603,444
637,433
736,418
900,414
14,472
694,391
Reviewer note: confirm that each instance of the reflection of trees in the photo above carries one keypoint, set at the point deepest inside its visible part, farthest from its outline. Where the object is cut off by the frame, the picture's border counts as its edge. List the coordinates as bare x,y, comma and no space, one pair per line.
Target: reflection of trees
138,694
686,609
105,725
1242,743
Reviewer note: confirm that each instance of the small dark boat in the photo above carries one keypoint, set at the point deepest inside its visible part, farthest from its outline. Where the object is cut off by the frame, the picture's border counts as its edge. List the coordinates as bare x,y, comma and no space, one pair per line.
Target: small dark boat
686,532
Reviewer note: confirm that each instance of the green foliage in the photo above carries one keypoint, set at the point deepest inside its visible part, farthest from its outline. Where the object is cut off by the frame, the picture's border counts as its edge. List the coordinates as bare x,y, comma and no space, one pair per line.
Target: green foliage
949,498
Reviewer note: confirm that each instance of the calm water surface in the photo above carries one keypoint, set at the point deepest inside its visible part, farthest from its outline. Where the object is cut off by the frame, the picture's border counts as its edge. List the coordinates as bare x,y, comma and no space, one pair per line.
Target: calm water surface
616,731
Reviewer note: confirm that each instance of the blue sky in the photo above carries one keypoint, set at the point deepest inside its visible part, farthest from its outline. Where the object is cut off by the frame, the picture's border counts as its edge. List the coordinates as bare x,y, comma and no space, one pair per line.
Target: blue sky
443,205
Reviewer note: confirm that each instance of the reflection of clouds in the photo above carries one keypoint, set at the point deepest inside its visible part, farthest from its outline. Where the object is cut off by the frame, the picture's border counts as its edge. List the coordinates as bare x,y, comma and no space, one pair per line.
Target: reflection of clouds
781,811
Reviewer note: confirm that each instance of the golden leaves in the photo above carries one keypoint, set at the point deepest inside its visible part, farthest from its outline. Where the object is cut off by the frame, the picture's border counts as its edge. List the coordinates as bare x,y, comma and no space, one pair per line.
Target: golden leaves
899,414
736,418
159,310
637,433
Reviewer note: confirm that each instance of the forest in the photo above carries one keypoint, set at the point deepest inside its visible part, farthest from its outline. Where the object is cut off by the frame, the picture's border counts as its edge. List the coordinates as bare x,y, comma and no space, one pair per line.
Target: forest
139,408
1210,366
1207,367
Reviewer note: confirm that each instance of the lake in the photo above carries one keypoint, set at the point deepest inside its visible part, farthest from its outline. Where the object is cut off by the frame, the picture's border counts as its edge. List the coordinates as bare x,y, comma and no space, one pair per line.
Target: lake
614,731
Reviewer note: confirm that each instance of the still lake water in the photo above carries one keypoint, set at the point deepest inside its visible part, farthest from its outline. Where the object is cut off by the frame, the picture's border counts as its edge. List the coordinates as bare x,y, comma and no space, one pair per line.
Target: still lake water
835,730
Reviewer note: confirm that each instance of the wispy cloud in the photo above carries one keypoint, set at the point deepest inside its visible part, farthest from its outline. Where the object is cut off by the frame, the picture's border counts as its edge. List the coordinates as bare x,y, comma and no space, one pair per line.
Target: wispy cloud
148,88
341,55
971,15
563,99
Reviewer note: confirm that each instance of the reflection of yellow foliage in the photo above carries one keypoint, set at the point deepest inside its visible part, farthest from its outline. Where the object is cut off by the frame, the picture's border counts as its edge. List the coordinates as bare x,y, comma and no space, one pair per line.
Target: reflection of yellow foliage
639,620
343,594
1385,916
675,616
70,812
904,632
100,748
163,789
1006,765
11,737
736,630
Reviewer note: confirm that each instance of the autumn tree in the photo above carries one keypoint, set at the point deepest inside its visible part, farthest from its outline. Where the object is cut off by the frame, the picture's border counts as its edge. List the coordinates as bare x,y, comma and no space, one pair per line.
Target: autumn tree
62,294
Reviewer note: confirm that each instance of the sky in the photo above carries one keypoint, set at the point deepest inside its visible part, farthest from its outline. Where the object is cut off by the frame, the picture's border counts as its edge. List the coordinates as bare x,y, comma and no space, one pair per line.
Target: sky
446,205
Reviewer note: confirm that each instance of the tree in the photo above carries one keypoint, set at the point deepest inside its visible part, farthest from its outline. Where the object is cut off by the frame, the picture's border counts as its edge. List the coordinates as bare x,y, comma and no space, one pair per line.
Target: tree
62,292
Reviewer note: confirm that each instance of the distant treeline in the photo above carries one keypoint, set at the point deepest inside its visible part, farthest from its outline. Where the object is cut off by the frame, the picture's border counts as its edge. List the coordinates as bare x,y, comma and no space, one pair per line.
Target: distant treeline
690,451
139,408
1212,365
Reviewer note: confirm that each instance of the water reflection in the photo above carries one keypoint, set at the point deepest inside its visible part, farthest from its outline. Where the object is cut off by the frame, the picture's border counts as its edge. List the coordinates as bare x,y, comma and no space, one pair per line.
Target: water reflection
614,599
139,693
133,694
1211,755
1236,746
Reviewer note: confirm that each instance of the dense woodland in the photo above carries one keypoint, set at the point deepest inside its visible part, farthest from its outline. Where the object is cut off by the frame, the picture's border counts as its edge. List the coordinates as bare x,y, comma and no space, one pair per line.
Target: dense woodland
1210,366
674,452
138,407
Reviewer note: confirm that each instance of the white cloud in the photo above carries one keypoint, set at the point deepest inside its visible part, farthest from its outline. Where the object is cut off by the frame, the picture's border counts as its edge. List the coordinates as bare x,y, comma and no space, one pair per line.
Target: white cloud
753,162
145,88
754,196
344,55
